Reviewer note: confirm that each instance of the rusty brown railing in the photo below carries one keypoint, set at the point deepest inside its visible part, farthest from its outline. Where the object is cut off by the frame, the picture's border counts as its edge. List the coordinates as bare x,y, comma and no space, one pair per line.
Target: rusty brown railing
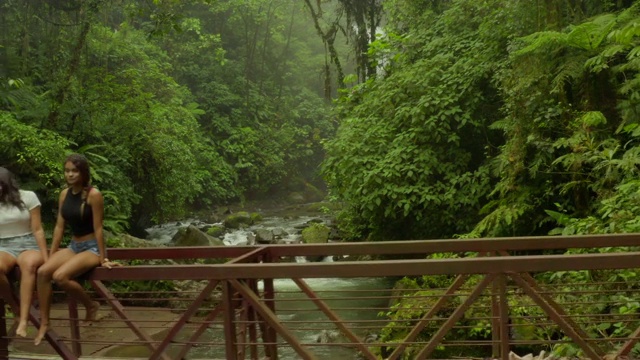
254,303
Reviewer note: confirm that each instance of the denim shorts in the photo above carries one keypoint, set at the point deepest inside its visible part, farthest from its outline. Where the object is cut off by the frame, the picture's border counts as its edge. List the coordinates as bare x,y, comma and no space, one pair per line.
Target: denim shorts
17,244
87,245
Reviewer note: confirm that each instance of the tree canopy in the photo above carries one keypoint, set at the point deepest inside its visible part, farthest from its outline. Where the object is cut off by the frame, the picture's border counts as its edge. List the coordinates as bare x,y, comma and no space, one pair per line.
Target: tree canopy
492,118
430,119
178,104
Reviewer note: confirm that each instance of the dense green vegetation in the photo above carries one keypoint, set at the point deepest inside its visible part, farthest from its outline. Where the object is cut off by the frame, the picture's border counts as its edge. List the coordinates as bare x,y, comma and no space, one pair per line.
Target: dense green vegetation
179,105
493,118
430,118
496,118
468,119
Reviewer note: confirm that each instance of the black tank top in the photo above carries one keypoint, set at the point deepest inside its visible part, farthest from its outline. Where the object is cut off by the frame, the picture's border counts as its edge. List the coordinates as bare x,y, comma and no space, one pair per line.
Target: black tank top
81,223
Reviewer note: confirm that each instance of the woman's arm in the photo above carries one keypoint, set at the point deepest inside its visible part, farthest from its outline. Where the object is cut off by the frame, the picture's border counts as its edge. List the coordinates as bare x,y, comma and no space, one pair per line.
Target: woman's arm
58,231
38,232
96,201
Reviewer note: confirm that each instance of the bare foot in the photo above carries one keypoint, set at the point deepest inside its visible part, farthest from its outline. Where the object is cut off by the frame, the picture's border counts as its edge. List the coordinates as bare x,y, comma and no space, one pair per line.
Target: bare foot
22,329
92,312
41,333
12,330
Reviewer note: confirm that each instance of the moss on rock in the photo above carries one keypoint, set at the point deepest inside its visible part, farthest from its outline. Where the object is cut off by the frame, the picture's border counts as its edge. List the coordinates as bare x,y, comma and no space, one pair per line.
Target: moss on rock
316,233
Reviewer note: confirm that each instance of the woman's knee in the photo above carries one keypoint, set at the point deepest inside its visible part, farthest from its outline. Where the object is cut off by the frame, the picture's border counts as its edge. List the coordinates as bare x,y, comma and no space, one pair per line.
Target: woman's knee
45,271
29,267
61,278
30,264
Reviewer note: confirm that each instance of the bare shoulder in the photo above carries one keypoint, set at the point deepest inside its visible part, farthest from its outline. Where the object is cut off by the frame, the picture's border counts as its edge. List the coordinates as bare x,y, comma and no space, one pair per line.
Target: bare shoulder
94,194
63,193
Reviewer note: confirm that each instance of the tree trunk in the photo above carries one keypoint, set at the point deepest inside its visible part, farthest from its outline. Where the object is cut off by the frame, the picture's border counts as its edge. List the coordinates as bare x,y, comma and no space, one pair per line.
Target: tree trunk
65,83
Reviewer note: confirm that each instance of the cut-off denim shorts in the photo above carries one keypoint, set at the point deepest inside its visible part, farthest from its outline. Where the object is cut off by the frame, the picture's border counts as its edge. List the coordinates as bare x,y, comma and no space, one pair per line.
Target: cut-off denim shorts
87,245
17,244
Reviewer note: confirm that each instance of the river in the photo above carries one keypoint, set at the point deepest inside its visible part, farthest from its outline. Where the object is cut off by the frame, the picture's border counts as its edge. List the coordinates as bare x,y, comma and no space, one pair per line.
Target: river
356,301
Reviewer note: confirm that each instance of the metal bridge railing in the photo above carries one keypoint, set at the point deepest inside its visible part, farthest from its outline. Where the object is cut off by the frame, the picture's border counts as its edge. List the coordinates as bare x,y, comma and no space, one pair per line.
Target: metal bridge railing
255,303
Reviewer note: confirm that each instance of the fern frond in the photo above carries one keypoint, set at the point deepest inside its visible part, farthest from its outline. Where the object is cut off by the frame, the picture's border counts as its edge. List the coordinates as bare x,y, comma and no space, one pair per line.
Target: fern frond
590,35
542,41
570,70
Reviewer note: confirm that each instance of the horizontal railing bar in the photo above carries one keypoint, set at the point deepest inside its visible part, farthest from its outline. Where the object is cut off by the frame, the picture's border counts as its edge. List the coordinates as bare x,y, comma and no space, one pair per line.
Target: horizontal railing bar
379,268
185,252
386,247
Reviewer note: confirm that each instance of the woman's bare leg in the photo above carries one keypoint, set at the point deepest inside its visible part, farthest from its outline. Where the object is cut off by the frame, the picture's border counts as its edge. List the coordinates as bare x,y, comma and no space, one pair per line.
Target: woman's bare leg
45,276
7,263
65,275
28,261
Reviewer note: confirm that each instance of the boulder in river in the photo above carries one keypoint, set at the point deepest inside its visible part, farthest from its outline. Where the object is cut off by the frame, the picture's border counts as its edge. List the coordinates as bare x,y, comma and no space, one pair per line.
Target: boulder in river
192,236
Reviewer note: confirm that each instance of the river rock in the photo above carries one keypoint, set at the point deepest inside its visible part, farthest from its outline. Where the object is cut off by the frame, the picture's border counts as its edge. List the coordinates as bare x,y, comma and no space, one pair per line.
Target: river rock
235,221
279,232
251,239
216,231
264,236
541,356
317,233
327,336
192,236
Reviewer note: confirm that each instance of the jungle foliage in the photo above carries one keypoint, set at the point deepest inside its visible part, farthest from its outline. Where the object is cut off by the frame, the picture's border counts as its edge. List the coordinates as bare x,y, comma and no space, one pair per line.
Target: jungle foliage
467,118
177,104
495,118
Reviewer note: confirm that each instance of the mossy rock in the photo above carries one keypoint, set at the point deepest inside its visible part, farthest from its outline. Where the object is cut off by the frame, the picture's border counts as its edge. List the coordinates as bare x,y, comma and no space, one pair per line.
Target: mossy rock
178,235
216,231
234,221
316,233
256,218
195,237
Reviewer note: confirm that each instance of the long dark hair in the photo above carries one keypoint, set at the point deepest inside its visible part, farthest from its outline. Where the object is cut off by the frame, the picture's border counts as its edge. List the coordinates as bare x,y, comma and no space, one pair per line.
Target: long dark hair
82,164
9,190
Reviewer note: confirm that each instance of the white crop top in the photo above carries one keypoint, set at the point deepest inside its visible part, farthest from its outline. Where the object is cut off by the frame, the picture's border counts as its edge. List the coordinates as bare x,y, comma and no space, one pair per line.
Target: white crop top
16,222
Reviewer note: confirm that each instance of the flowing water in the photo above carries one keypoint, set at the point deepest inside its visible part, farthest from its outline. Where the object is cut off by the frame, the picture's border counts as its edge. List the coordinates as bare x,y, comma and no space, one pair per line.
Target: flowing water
356,301
312,327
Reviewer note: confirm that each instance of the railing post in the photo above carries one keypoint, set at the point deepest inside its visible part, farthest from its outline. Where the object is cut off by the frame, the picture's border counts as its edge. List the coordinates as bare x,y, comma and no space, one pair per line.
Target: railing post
268,333
74,321
495,320
230,335
252,319
4,340
503,307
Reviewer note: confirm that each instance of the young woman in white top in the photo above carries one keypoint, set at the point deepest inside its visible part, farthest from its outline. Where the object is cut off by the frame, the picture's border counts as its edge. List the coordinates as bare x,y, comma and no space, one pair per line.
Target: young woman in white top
22,242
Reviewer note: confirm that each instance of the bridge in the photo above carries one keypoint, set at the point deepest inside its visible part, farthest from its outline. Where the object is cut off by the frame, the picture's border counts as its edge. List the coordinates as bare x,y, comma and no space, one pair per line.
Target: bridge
487,298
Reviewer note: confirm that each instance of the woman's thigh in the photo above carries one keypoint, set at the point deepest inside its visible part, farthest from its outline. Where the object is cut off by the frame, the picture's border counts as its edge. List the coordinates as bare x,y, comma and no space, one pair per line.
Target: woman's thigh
77,265
56,260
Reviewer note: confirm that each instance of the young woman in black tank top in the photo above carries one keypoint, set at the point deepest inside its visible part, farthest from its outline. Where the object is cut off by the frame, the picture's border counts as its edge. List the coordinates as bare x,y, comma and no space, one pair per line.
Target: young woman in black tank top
82,208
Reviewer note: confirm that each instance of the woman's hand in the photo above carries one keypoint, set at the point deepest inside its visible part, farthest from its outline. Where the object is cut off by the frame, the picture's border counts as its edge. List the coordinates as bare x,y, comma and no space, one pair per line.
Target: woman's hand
109,264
